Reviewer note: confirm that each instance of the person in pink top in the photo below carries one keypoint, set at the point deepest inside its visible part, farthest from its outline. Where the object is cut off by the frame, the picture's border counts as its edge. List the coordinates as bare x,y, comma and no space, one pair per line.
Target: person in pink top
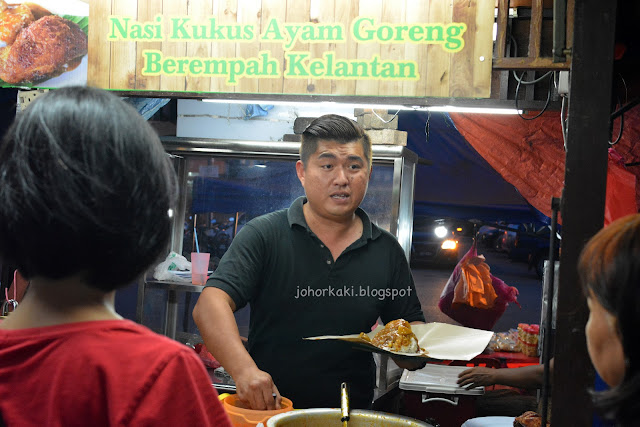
86,193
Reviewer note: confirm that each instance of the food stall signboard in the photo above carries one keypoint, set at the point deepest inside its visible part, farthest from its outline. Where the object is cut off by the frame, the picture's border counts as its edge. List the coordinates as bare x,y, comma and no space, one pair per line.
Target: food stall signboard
402,48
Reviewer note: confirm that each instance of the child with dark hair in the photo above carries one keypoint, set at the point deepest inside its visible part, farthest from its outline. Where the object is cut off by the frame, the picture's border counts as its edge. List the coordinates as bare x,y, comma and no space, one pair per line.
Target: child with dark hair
609,268
86,192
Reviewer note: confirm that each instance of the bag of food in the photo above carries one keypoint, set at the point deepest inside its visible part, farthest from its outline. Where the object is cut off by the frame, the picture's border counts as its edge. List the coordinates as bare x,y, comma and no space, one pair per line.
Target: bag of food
473,296
474,287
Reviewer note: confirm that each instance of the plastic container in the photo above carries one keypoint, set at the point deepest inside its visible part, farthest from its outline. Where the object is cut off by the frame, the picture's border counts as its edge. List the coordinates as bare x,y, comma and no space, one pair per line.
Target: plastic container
528,339
433,393
241,416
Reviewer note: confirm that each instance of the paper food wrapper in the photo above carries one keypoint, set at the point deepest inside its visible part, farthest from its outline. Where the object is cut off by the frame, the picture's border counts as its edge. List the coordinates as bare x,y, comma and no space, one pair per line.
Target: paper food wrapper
440,340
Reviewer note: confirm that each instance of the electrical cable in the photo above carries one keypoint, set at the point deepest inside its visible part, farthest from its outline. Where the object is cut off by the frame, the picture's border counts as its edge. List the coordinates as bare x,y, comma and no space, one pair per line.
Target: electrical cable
613,115
563,122
426,126
519,80
515,76
626,90
381,119
621,128
546,104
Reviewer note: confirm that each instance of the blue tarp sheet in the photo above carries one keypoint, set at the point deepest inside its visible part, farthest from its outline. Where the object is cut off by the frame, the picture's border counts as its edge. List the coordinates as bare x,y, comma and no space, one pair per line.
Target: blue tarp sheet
459,183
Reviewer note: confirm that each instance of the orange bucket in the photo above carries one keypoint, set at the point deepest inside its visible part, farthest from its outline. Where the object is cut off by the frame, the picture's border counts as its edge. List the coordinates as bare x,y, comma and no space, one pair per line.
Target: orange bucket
241,416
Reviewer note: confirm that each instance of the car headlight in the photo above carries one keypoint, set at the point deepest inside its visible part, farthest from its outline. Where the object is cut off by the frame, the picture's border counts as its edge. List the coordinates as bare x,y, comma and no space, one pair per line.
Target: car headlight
441,231
449,244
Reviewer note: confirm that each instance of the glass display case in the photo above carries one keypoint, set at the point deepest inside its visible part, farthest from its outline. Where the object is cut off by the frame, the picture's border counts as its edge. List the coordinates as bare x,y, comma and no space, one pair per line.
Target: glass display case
224,184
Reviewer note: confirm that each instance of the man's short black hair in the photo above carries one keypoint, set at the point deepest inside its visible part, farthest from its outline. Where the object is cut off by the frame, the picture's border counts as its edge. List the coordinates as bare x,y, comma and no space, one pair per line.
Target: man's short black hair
85,188
332,127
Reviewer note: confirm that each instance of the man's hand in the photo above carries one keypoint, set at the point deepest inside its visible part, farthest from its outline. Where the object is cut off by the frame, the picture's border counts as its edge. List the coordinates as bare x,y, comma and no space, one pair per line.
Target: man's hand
409,363
476,377
256,388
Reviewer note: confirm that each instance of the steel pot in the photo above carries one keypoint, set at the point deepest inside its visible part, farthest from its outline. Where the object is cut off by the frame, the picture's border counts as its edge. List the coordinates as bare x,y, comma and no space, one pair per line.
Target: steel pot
329,417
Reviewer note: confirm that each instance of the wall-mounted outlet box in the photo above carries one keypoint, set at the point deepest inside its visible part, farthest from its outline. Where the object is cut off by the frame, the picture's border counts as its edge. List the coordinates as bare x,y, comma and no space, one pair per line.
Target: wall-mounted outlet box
563,83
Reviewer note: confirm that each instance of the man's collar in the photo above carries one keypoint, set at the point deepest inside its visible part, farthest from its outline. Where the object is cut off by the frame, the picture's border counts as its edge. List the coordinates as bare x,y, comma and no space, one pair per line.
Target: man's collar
295,215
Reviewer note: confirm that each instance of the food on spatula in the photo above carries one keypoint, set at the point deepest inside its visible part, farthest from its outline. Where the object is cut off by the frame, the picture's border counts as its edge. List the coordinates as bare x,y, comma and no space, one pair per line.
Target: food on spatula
397,336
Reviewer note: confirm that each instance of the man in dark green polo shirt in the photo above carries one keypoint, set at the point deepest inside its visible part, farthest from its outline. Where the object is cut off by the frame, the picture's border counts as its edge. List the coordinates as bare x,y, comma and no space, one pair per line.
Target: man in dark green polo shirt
318,268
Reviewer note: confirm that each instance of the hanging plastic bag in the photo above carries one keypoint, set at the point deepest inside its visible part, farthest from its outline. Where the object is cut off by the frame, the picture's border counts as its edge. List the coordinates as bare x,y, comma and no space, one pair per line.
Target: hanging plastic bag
474,287
474,297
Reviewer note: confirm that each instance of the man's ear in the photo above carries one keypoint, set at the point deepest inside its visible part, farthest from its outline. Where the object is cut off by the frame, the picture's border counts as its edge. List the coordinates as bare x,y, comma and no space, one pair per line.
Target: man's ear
300,171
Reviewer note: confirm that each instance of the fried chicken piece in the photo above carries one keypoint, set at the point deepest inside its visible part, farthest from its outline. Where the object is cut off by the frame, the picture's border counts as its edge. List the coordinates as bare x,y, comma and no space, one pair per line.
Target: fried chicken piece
529,419
42,50
397,336
12,20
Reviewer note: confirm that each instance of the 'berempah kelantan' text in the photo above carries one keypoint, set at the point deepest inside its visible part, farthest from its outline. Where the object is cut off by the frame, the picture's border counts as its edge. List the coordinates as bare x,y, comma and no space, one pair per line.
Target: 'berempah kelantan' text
300,65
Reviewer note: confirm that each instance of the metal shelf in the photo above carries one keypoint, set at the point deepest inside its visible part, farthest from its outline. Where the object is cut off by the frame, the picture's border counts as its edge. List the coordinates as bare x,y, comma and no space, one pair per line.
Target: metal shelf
173,286
171,306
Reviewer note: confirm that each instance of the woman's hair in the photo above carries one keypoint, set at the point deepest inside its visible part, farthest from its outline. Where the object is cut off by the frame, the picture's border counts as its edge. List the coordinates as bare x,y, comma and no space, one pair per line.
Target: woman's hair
609,267
332,127
85,188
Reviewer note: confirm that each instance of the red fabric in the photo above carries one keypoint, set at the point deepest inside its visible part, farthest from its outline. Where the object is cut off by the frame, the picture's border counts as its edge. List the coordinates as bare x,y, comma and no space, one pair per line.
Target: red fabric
103,373
530,154
621,190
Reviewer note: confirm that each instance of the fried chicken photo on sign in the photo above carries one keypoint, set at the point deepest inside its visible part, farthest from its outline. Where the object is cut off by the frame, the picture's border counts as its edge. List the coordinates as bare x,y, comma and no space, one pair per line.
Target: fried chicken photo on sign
42,50
397,336
12,20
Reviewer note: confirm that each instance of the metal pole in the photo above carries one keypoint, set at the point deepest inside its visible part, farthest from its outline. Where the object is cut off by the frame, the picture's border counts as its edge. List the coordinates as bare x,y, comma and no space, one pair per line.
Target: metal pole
549,274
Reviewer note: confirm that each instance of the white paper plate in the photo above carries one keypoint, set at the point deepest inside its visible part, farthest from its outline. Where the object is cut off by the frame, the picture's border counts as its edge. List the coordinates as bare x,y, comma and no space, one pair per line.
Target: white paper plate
440,340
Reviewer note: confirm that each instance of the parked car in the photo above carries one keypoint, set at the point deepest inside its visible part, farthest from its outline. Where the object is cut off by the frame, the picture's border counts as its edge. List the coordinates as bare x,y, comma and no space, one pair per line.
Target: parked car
488,235
520,238
531,245
436,240
509,237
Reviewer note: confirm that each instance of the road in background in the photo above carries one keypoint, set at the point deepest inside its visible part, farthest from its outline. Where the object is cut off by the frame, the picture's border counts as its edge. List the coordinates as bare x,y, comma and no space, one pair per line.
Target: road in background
430,280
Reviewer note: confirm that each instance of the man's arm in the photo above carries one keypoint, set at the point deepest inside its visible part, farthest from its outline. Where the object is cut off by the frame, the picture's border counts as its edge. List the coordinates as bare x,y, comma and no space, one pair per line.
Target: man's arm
529,377
213,314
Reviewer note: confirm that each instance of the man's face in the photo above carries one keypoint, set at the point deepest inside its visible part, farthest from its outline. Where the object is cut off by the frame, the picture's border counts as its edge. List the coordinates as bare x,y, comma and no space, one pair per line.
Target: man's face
335,179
